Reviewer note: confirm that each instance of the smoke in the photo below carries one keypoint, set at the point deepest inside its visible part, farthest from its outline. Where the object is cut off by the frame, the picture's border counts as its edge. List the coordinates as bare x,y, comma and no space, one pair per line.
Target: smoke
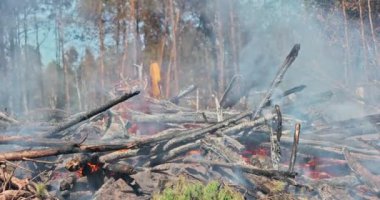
275,26
340,84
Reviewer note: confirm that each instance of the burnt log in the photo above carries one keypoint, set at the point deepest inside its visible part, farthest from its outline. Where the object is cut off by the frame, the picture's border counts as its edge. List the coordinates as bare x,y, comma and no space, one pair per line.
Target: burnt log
166,156
182,94
85,116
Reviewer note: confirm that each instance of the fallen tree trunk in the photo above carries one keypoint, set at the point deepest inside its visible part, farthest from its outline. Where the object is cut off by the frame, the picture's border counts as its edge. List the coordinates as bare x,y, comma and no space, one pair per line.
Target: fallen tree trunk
281,175
85,116
181,117
33,142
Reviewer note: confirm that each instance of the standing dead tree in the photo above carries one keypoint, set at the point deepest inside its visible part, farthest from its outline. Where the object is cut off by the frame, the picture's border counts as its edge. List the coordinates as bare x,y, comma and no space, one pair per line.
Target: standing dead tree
278,79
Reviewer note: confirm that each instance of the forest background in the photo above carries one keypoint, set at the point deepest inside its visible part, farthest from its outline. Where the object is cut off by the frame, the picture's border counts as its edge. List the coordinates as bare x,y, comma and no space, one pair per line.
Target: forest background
68,54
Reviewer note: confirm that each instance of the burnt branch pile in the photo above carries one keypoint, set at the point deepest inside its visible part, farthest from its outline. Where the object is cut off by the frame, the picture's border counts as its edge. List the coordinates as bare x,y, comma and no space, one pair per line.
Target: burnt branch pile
142,144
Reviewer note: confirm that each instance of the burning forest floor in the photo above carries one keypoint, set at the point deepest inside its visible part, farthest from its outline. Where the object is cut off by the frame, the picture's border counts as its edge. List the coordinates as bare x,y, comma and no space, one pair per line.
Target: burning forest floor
146,148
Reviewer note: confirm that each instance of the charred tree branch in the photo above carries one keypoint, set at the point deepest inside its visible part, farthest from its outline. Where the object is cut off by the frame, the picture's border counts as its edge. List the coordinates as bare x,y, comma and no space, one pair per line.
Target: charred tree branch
278,79
55,132
294,148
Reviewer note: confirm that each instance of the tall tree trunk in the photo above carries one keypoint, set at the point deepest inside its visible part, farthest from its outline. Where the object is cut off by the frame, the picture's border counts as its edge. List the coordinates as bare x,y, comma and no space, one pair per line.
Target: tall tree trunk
172,68
67,103
364,46
233,41
79,93
25,68
118,25
40,70
138,33
130,29
102,50
374,40
8,78
347,45
219,45
3,63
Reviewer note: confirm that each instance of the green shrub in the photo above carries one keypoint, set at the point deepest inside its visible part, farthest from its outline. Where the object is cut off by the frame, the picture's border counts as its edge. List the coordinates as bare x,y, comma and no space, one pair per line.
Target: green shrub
186,190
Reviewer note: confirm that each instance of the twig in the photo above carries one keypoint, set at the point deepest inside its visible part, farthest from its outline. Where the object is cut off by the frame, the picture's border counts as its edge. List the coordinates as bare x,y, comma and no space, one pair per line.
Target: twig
18,183
295,146
17,165
6,182
40,161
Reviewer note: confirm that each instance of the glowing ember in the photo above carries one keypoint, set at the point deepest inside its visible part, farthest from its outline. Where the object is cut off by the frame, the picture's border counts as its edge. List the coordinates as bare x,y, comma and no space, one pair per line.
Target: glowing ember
80,172
194,152
89,168
258,152
93,167
318,175
246,159
133,129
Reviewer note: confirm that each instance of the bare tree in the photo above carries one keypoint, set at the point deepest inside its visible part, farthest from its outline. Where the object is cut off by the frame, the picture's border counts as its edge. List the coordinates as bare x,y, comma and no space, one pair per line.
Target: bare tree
347,44
219,45
364,42
374,40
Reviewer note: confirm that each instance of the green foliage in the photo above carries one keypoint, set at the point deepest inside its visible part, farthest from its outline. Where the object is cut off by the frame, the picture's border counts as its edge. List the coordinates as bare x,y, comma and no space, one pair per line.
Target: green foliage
186,190
41,191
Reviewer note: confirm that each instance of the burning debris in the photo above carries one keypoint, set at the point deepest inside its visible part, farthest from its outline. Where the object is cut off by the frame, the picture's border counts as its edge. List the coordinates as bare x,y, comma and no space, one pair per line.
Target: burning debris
251,153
